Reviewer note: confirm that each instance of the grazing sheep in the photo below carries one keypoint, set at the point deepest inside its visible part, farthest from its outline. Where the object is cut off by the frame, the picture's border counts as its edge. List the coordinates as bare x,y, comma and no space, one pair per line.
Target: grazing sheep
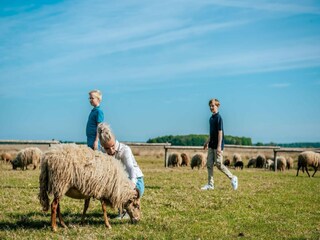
198,160
289,163
308,158
236,158
27,156
226,162
174,160
80,172
6,157
269,164
185,159
281,163
260,161
252,162
239,165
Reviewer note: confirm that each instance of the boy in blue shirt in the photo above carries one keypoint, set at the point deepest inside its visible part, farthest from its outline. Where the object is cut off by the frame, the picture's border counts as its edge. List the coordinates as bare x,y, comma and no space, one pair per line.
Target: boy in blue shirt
216,145
96,116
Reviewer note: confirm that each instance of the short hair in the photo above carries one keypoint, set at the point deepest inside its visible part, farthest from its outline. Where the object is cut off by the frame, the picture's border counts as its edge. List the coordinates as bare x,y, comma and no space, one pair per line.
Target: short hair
104,132
214,101
97,93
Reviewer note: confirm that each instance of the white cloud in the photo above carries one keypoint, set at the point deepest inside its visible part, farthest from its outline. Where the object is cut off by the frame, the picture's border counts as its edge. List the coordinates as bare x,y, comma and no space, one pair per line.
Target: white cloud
69,34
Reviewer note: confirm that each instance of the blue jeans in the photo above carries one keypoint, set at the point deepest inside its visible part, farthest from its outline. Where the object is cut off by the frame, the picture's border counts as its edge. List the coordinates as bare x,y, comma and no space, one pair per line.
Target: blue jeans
140,186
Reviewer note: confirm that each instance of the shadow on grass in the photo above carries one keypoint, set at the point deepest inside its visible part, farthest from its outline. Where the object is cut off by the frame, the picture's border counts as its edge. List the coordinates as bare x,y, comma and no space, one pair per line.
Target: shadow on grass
152,187
31,220
19,187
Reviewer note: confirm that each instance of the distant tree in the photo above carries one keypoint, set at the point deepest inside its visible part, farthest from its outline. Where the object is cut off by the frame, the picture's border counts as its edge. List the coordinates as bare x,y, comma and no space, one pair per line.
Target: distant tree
198,140
259,144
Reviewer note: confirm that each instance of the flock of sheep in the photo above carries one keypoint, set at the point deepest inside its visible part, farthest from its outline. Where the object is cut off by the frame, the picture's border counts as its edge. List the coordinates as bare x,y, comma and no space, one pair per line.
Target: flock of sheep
305,159
198,160
79,172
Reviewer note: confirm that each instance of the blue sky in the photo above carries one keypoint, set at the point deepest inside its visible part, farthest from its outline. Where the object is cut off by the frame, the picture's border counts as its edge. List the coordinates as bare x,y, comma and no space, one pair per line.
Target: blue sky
157,64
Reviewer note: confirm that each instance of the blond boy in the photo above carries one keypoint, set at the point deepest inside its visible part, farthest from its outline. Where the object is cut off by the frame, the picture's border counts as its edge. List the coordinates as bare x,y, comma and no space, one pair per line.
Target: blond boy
96,116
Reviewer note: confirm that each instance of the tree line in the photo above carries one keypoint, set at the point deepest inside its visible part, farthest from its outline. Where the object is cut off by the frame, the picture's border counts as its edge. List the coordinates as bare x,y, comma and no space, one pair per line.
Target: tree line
200,139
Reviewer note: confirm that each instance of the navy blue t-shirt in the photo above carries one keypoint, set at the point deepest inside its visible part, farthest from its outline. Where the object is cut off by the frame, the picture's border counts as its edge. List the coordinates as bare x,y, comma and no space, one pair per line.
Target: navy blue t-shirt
216,125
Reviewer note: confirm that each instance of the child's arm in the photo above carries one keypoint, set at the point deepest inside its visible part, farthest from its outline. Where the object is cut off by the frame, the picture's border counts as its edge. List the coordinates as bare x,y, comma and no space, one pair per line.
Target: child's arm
95,143
220,134
128,162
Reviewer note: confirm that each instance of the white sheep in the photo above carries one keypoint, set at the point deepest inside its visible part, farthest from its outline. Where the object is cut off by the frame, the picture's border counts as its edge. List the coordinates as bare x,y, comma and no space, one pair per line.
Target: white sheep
27,156
81,173
308,158
269,164
236,158
281,163
289,163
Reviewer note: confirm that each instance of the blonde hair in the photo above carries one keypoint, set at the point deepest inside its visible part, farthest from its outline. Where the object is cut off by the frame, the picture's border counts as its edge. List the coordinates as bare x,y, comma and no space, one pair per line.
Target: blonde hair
97,93
214,101
105,133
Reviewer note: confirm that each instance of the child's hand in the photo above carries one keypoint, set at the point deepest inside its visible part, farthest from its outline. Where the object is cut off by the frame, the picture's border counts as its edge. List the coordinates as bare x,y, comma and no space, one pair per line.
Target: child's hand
219,152
95,145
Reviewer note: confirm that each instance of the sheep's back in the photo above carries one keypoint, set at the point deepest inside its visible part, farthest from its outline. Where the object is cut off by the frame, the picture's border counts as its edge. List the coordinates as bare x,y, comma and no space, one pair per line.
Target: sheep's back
93,173
309,158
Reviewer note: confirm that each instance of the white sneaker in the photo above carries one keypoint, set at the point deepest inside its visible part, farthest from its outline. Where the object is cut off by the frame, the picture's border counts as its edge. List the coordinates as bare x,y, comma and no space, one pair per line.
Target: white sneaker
123,215
126,216
234,182
207,187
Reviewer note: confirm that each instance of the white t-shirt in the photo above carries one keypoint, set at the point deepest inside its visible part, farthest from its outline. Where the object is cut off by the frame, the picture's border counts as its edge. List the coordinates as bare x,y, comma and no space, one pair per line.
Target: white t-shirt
124,154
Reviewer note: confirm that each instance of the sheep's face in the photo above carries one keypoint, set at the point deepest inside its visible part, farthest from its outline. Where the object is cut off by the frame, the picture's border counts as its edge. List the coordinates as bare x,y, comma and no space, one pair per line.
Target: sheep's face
133,209
15,164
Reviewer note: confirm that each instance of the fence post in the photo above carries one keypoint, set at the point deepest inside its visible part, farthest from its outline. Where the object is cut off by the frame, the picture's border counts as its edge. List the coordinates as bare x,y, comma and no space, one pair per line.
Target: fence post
275,159
165,156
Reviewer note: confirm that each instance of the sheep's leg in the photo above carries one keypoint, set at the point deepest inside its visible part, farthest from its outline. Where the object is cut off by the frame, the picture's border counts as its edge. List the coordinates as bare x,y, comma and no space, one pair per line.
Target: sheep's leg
315,170
54,206
85,208
104,209
307,171
298,171
60,217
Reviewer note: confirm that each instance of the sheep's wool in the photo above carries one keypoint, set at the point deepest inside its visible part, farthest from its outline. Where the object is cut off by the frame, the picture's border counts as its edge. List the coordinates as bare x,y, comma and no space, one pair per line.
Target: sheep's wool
92,173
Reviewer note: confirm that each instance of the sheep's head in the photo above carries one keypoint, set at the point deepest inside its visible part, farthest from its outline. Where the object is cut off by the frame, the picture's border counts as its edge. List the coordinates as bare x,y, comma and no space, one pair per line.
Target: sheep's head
15,164
133,209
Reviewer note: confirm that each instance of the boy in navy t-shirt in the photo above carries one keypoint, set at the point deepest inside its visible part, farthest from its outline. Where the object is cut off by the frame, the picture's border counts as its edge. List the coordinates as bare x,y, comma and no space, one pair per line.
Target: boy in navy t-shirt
215,146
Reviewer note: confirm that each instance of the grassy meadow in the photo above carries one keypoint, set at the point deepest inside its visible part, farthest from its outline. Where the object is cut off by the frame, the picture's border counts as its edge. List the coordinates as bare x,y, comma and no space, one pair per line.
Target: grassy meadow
267,205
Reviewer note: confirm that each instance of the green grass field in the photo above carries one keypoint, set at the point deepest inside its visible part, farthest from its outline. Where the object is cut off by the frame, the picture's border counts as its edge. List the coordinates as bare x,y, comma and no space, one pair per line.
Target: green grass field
267,205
